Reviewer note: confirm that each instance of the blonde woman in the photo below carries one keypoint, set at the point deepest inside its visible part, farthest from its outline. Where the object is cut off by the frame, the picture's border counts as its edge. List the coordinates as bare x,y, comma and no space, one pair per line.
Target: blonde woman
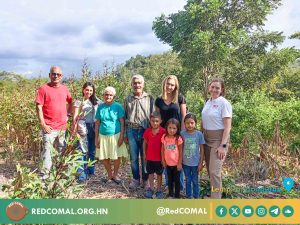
171,105
110,134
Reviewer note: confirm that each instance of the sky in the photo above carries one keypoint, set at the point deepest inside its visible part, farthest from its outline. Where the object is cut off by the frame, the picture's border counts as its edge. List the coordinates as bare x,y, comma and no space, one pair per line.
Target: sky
34,34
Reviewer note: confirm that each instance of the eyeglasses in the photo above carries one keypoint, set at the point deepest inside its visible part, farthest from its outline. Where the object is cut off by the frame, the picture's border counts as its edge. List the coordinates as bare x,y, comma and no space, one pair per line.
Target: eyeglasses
56,74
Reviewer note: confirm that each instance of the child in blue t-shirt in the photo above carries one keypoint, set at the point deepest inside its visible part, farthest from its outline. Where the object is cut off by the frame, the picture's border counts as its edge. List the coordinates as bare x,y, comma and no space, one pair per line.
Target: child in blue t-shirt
193,155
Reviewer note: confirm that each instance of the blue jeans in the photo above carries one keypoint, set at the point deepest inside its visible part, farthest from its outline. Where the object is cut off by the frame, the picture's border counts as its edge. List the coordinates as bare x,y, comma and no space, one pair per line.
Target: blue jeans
180,179
82,171
135,140
191,176
91,146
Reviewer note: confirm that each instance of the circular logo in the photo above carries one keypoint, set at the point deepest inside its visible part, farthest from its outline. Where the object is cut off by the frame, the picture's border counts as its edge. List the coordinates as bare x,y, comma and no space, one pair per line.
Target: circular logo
248,211
274,211
234,211
221,211
261,211
288,211
16,211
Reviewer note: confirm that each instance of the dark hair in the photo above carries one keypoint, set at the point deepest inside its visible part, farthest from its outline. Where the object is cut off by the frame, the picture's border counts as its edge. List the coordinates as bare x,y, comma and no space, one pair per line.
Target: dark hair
173,121
221,81
93,97
190,116
155,114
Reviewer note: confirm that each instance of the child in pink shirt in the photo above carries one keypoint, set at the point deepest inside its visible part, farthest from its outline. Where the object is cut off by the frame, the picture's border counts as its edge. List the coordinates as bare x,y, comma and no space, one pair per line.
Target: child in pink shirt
172,155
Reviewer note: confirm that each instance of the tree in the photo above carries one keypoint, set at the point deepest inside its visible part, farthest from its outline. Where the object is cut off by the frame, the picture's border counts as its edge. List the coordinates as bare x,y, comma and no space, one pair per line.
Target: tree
225,38
154,68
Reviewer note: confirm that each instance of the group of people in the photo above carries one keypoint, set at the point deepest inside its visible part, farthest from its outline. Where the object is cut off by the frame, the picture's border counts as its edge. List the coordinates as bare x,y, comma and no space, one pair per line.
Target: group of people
161,134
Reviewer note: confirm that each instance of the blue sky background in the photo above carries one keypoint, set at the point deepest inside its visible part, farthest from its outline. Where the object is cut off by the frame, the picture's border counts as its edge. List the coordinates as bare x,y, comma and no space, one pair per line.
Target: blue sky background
37,34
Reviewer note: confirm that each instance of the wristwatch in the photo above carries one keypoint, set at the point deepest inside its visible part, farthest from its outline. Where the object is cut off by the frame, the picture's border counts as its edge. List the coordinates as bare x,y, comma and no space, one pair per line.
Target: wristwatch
224,145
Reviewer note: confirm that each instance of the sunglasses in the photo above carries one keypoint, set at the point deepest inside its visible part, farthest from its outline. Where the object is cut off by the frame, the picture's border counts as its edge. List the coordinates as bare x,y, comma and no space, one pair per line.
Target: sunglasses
56,74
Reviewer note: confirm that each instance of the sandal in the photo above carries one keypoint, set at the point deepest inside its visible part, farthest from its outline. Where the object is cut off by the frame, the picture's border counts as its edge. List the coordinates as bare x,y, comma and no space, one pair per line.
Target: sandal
106,180
117,180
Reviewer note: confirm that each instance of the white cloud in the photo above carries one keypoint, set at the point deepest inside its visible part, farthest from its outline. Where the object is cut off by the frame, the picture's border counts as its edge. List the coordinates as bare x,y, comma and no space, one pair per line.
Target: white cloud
37,34
286,18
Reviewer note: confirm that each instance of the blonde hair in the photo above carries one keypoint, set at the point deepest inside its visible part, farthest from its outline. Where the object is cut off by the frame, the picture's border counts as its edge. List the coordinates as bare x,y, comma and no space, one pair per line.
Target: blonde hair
175,92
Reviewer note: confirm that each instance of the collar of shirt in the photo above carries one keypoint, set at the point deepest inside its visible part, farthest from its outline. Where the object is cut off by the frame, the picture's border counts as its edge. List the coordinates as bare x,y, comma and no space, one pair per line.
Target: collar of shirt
142,96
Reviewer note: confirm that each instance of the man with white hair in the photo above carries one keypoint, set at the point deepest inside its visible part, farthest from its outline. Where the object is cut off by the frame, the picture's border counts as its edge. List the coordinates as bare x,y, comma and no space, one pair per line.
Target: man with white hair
138,108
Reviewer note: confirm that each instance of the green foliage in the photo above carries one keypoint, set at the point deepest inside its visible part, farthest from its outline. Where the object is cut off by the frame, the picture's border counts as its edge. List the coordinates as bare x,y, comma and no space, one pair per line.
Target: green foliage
295,148
255,113
285,85
154,68
195,103
229,187
294,193
225,38
60,182
19,123
296,35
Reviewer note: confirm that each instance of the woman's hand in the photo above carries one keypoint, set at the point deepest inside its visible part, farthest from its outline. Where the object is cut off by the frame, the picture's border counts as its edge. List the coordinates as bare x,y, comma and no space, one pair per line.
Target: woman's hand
179,166
120,141
200,167
221,152
97,143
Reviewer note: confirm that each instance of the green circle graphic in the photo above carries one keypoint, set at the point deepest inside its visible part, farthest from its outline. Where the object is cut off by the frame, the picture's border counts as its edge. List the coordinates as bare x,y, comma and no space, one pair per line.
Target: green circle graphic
287,211
248,211
261,211
234,211
221,211
274,211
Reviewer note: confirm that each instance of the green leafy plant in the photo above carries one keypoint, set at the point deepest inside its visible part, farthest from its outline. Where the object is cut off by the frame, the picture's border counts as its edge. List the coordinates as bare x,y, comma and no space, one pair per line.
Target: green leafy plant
60,182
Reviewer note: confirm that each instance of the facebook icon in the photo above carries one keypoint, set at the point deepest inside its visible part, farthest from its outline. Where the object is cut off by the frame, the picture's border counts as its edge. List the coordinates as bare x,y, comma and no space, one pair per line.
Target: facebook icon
221,211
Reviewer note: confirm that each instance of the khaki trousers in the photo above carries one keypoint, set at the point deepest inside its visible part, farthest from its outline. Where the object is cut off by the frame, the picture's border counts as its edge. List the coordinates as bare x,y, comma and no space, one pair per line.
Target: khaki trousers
213,140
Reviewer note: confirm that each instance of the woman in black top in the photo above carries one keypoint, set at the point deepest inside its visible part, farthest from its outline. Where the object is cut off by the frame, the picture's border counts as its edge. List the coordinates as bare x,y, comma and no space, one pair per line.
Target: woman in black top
171,104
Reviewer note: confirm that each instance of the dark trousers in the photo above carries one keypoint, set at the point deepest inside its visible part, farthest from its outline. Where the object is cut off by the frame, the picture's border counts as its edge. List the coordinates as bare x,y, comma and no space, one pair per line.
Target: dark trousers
173,178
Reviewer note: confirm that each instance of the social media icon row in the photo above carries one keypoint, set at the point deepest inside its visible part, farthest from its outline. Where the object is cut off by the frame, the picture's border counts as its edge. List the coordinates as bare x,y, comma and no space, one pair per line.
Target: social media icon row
260,211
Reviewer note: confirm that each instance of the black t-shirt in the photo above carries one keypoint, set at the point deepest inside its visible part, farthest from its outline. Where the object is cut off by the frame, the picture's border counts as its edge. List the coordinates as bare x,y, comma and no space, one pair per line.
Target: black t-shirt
169,111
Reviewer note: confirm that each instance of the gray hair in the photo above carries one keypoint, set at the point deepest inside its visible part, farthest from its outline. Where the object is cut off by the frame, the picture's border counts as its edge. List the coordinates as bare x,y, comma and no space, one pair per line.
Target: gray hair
137,77
110,89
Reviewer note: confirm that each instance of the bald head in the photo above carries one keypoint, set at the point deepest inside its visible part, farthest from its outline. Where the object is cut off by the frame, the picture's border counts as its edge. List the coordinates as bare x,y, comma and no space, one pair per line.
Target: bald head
55,69
55,75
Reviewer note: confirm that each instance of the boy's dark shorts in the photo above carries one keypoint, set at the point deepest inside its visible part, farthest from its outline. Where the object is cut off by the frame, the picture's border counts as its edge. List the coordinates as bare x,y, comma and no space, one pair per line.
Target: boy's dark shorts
154,167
